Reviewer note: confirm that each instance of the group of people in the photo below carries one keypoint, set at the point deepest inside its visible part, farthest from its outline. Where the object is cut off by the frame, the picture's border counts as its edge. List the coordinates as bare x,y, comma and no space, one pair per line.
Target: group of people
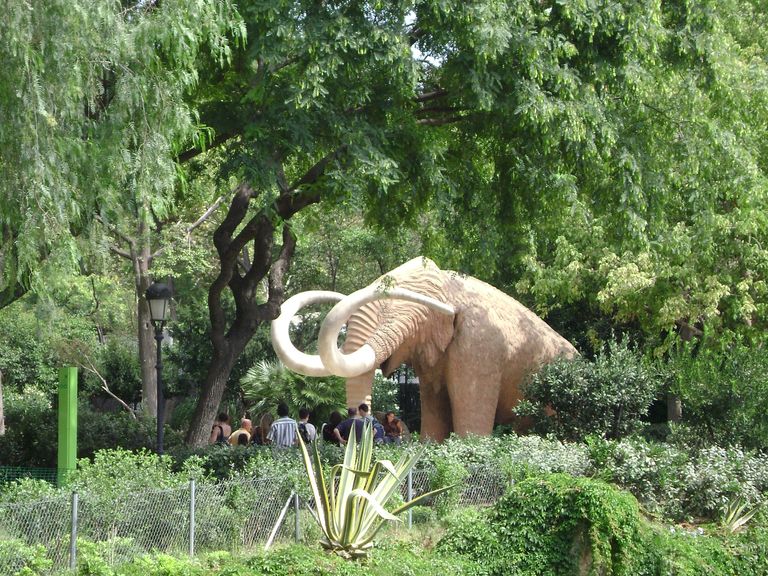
283,432
280,433
337,430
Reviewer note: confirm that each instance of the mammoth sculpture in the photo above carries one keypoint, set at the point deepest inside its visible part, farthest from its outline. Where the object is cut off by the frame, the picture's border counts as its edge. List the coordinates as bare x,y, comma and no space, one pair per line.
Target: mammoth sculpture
470,344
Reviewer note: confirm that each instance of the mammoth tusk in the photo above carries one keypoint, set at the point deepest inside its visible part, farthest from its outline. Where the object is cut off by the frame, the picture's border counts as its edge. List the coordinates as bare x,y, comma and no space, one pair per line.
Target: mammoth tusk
292,357
363,359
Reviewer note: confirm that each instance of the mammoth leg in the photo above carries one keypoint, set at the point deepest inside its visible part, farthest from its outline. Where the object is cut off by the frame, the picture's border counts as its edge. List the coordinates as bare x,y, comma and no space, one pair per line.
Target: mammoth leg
473,385
436,415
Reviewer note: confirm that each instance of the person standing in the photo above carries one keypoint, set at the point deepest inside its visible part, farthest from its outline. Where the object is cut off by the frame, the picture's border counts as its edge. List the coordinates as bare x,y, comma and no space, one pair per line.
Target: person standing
282,433
307,431
329,428
221,430
342,430
236,438
368,418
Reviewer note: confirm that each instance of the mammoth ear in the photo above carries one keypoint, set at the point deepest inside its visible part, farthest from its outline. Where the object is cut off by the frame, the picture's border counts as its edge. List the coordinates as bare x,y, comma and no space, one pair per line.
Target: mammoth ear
435,343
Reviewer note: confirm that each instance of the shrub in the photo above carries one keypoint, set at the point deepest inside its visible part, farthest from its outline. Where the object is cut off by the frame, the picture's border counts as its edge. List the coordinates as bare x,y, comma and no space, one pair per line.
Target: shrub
607,397
30,436
16,557
555,524
107,430
723,392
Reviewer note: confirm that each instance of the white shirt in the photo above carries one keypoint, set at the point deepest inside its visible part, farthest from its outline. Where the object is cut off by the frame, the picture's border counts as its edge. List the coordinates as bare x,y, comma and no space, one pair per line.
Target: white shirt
282,433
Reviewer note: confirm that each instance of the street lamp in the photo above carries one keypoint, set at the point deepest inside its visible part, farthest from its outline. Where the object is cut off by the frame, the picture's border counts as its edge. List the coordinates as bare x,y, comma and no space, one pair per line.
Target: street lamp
159,298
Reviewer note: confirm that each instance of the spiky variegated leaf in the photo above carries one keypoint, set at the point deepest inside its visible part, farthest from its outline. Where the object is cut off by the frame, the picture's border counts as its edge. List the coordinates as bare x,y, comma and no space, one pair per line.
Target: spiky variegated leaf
351,506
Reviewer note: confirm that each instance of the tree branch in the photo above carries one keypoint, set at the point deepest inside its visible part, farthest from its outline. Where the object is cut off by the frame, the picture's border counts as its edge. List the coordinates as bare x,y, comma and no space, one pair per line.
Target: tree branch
439,93
220,139
439,121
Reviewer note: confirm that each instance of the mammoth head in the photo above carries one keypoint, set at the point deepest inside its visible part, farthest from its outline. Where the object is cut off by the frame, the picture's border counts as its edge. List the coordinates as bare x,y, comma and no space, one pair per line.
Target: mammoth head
331,360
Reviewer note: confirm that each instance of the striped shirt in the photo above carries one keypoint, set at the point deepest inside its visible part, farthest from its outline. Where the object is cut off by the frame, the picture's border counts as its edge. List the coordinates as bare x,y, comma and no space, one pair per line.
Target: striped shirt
282,433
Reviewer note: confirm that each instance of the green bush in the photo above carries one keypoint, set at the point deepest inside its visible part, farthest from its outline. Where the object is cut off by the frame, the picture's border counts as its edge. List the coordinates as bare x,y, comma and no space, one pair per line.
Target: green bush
723,392
557,524
16,557
107,430
30,435
607,397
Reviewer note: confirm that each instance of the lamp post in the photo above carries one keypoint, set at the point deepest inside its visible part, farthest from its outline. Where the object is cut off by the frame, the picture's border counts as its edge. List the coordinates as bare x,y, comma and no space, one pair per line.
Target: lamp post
159,298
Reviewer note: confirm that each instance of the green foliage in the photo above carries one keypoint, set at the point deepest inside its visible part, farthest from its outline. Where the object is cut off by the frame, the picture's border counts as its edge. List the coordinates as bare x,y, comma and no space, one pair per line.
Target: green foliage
120,368
268,383
350,505
555,524
113,471
469,532
19,558
723,391
607,397
29,343
94,117
106,430
30,436
737,513
385,394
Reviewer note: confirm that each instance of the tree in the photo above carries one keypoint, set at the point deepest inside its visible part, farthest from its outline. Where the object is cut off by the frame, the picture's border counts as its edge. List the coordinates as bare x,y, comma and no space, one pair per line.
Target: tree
320,107
629,181
564,136
93,115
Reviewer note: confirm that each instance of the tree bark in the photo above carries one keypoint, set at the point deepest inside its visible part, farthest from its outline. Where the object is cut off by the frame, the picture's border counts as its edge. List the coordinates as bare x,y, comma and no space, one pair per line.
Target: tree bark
146,334
2,410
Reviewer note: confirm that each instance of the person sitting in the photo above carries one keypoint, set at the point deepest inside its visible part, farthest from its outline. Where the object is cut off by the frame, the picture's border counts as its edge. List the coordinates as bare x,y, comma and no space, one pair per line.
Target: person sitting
330,427
245,428
393,429
342,431
220,430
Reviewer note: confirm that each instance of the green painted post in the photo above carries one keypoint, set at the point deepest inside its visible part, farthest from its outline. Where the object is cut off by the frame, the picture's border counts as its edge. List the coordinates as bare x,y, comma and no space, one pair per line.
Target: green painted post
67,422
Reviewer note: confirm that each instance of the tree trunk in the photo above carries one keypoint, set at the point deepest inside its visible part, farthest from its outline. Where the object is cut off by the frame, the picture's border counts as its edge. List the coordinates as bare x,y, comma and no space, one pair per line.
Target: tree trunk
2,411
146,338
213,389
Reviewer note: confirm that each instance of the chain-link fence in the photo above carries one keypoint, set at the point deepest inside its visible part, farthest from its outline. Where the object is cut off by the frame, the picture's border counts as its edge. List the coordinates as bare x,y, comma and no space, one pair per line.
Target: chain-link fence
189,519
10,473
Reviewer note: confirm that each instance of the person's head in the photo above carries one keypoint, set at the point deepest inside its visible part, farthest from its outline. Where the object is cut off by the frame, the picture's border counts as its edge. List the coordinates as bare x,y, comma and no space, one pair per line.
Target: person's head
266,421
363,409
390,416
223,417
242,439
335,418
282,410
303,413
351,412
245,424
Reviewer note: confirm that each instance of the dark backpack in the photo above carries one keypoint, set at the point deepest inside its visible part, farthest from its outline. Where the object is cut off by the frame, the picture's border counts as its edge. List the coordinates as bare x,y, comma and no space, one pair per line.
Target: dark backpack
304,433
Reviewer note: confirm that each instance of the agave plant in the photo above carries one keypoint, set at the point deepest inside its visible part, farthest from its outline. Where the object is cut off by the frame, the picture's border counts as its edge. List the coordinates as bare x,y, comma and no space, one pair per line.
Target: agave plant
350,505
737,513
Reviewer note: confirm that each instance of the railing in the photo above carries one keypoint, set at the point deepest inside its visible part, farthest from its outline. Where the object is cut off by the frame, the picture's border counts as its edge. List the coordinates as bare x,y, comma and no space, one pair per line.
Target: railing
190,519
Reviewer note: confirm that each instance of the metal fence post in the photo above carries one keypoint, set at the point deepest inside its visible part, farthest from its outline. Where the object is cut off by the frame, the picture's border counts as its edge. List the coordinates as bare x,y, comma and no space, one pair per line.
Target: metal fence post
410,497
296,508
192,517
73,534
